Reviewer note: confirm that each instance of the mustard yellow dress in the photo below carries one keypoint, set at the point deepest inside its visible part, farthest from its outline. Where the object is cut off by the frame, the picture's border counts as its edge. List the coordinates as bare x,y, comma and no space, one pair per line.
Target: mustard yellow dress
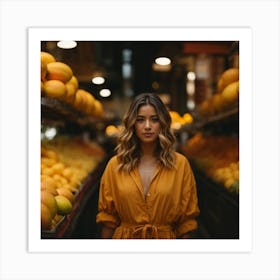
167,211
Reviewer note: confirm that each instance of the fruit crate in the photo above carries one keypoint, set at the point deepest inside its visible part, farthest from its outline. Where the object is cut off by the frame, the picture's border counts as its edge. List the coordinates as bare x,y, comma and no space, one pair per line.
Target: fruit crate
219,208
55,109
64,228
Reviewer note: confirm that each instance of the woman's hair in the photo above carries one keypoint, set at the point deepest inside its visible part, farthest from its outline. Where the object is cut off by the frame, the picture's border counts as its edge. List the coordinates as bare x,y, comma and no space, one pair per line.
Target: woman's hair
128,148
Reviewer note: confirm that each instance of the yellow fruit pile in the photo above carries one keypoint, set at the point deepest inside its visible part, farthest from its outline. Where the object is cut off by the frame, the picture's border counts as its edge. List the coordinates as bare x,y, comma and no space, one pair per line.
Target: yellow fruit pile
216,156
177,120
59,82
112,130
227,94
227,175
65,164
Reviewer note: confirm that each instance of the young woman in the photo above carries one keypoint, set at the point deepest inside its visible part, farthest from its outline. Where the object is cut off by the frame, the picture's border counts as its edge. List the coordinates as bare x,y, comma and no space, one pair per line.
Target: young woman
147,189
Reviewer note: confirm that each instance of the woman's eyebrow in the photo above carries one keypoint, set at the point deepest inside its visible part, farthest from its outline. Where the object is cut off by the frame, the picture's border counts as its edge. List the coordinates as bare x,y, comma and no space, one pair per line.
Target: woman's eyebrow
143,116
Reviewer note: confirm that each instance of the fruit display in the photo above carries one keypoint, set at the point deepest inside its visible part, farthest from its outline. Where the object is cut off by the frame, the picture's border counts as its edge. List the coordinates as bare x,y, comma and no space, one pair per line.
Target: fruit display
65,164
113,130
177,121
217,156
226,95
59,82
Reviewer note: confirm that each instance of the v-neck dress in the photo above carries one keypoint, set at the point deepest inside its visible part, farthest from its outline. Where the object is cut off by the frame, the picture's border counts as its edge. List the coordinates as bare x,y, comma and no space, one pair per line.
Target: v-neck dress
167,211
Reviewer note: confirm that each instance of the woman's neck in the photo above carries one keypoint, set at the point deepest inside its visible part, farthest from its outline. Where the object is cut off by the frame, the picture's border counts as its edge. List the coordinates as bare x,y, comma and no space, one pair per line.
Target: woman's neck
148,150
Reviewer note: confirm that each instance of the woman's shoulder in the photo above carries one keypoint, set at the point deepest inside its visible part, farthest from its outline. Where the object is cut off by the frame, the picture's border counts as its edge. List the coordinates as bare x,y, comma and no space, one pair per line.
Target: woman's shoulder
113,161
180,156
181,159
111,165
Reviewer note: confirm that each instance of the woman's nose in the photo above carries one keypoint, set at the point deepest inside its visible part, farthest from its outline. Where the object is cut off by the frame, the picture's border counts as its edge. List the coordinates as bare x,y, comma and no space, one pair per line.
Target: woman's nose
147,124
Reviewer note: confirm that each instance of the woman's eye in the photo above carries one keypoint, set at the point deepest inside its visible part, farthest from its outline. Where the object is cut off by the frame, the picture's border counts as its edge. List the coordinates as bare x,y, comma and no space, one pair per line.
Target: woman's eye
152,119
155,119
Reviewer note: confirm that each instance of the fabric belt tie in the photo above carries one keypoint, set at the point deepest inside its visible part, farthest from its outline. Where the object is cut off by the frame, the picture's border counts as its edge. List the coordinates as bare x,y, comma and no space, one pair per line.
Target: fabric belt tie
147,229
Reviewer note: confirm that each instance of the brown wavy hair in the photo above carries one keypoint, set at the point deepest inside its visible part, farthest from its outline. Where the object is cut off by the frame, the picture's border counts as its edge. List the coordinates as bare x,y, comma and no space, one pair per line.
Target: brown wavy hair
128,148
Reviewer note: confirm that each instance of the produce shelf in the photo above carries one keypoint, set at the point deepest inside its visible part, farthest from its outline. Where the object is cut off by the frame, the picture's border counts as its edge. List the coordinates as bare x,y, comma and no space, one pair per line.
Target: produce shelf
231,114
219,207
67,225
52,108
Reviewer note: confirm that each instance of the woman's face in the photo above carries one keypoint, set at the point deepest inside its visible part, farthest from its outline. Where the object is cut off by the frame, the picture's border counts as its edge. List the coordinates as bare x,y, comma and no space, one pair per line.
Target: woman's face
147,125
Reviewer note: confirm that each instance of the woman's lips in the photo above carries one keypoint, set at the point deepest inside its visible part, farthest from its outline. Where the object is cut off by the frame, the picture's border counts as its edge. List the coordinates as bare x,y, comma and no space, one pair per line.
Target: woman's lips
148,134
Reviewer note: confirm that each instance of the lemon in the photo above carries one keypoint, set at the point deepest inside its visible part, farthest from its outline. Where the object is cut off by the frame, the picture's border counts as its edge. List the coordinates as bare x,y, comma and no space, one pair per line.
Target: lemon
64,206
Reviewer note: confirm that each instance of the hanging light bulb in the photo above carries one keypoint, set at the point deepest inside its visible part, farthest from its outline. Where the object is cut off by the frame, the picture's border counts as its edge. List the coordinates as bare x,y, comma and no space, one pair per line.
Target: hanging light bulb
163,60
105,92
67,44
98,80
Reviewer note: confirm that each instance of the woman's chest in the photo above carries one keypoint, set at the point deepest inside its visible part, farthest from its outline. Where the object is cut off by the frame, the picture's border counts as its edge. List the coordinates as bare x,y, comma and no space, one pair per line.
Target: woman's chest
138,185
146,177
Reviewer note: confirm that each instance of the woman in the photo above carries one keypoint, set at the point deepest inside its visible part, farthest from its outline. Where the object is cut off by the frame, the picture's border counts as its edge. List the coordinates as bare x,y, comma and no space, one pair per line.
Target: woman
147,189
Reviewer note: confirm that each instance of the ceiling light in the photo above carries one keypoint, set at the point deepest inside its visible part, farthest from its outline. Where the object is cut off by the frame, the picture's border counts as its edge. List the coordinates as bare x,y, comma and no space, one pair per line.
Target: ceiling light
67,44
105,92
163,60
191,76
98,80
50,133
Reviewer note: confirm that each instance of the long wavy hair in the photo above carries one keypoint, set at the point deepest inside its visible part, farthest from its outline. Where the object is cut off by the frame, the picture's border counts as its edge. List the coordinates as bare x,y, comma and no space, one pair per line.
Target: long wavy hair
128,147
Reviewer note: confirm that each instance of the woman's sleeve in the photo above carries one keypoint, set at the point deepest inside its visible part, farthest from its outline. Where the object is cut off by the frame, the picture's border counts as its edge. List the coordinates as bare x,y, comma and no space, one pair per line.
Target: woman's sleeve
107,213
189,209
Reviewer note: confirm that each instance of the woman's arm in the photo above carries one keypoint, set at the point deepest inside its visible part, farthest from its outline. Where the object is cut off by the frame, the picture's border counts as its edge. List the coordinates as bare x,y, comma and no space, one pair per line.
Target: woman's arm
106,232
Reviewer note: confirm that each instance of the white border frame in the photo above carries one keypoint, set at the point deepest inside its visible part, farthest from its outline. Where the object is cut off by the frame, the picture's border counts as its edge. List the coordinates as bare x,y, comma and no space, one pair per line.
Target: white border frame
241,34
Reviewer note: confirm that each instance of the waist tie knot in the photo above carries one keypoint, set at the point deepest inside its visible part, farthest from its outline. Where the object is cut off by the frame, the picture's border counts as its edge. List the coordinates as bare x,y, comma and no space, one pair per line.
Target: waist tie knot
147,231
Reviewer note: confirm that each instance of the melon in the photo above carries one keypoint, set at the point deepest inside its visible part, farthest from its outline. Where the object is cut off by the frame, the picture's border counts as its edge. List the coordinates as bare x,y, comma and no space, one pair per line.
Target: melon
80,102
229,76
231,93
66,193
49,200
46,217
59,71
43,71
90,103
47,58
74,82
54,89
98,109
49,187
